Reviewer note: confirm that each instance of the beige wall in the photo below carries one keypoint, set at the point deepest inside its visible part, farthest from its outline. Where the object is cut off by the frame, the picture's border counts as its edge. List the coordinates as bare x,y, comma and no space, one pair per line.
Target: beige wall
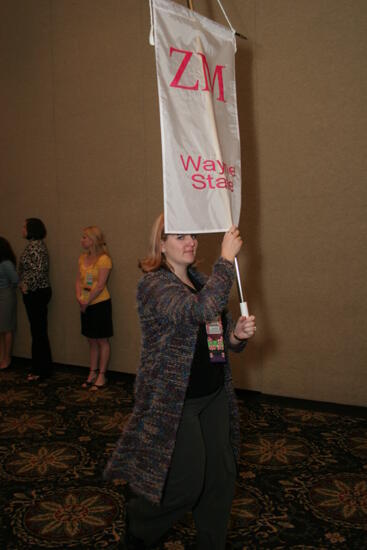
80,145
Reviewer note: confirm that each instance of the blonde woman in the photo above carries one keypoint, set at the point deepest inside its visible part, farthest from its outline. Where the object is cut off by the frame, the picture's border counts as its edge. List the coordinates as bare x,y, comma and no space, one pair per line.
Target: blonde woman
95,303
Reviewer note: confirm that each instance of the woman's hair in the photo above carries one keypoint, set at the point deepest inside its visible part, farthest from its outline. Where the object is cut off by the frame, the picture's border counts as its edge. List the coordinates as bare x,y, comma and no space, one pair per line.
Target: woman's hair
155,258
99,246
6,251
35,229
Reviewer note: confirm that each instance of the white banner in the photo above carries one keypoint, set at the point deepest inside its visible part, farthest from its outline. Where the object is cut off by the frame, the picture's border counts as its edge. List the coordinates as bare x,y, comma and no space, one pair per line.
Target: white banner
199,123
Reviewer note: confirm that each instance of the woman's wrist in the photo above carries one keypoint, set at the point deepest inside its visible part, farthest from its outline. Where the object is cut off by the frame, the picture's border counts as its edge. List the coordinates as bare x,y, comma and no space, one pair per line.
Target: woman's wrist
227,257
237,338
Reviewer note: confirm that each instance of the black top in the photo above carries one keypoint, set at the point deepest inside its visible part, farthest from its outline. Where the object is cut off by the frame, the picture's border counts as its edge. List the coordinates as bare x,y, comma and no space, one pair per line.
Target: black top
205,377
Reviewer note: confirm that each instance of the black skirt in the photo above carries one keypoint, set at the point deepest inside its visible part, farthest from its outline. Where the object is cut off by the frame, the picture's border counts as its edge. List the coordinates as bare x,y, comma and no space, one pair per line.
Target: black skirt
97,320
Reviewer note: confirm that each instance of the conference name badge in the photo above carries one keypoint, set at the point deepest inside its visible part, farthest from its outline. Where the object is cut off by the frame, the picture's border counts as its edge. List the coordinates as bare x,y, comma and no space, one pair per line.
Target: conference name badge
214,331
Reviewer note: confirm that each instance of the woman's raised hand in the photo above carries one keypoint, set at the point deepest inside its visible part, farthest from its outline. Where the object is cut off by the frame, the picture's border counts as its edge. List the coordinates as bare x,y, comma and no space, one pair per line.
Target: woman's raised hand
231,244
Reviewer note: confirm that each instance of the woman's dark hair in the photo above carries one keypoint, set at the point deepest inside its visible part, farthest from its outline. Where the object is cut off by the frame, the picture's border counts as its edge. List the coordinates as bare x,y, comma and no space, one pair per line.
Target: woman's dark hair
6,251
35,229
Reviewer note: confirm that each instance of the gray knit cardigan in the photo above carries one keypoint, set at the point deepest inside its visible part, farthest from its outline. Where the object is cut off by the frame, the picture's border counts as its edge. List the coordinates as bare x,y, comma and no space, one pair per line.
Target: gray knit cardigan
170,315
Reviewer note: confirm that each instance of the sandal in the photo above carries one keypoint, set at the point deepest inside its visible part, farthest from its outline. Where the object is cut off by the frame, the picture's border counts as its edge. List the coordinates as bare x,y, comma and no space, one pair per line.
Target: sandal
95,387
32,377
91,379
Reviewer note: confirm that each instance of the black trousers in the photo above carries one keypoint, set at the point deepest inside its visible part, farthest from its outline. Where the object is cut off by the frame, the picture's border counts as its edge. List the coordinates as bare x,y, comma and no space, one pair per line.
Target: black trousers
201,478
36,303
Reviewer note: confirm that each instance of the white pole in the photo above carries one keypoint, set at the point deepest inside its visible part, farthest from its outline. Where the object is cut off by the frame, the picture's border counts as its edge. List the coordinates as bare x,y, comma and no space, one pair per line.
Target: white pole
243,304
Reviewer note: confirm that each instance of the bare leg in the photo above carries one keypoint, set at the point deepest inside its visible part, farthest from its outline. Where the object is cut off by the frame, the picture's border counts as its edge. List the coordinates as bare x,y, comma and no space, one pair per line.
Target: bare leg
7,340
104,355
8,345
93,362
94,353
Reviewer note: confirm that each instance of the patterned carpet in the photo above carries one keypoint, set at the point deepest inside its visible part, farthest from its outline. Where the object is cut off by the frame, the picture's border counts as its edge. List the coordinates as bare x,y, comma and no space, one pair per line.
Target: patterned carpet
302,483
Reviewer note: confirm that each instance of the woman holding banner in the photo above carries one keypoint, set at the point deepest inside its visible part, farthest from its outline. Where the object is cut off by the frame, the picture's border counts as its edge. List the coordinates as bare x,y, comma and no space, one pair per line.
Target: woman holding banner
179,449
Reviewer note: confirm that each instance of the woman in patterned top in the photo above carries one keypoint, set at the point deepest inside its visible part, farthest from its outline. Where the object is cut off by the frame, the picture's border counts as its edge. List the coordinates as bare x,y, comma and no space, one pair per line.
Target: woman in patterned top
36,289
179,448
95,303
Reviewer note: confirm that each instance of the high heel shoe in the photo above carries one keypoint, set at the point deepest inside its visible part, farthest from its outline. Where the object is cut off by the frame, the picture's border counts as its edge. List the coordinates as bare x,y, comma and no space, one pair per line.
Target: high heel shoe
32,377
92,377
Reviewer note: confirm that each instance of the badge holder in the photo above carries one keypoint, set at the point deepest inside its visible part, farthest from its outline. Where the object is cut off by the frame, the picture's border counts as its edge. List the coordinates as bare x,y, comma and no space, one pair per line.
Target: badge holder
88,286
214,331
